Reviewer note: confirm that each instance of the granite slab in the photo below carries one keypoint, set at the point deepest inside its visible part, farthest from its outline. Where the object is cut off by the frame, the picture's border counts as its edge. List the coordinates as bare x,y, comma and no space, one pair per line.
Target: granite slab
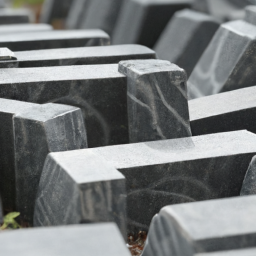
21,28
13,16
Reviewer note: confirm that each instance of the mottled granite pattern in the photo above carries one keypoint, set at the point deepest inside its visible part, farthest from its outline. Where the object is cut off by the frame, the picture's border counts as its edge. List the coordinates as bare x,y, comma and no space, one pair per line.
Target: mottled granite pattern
249,184
86,189
157,100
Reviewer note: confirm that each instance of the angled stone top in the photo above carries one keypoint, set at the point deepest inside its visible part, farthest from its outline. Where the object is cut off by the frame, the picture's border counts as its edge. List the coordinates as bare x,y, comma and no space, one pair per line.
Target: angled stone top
152,2
238,252
194,15
171,151
222,103
18,28
85,166
13,106
6,54
250,14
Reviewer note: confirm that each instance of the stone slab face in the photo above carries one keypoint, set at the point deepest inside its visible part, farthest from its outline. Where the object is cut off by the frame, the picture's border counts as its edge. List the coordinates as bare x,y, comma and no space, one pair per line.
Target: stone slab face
177,171
63,241
142,21
12,16
229,111
157,100
227,63
250,14
83,55
215,225
21,28
185,38
7,59
87,87
54,39
1,212
240,252
102,15
86,189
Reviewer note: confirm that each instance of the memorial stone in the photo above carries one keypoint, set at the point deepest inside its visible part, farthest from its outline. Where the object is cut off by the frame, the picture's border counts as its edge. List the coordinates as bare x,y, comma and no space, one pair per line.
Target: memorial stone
86,189
223,112
157,100
142,21
249,184
12,16
7,58
54,39
250,14
240,252
185,38
228,61
211,226
80,240
20,28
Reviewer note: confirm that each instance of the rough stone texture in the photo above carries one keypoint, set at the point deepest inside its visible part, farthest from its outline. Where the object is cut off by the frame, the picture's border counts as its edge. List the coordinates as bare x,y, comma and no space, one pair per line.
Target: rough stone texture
157,100
7,59
228,62
20,28
249,184
54,39
81,240
229,111
11,16
185,38
83,55
250,14
240,252
102,14
181,170
209,226
142,21
99,90
86,189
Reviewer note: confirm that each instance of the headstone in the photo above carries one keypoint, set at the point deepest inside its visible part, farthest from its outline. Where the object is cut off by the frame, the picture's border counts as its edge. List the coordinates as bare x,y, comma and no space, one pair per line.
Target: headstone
167,172
214,225
157,100
27,134
142,21
227,63
12,16
82,55
239,252
81,240
21,28
102,15
53,39
249,184
86,189
185,38
223,112
7,58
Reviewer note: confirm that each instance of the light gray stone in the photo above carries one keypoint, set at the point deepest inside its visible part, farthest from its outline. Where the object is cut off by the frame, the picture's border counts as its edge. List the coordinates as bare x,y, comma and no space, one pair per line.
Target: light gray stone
240,252
185,38
250,14
214,225
21,28
86,189
157,100
7,59
81,240
249,184
13,16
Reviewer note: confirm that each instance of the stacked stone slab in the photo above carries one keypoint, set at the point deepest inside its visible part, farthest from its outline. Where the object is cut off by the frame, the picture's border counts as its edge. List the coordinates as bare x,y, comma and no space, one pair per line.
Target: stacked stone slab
239,252
86,189
142,21
249,184
212,226
228,62
20,28
185,38
54,39
162,172
84,240
11,16
229,111
28,133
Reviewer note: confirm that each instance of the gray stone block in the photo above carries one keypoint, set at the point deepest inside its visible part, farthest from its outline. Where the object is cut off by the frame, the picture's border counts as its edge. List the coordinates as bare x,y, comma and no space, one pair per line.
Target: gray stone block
185,38
240,252
142,21
215,225
1,212
229,111
250,14
81,240
86,189
83,55
157,100
12,16
102,15
227,63
53,39
249,184
20,28
182,170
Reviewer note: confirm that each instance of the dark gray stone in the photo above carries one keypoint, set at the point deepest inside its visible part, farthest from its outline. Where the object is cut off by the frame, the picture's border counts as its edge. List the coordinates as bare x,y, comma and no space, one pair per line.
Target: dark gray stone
229,111
240,252
53,39
228,62
1,212
81,240
182,170
86,189
20,28
102,15
249,184
215,225
185,38
7,59
157,100
27,134
12,16
83,55
142,21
